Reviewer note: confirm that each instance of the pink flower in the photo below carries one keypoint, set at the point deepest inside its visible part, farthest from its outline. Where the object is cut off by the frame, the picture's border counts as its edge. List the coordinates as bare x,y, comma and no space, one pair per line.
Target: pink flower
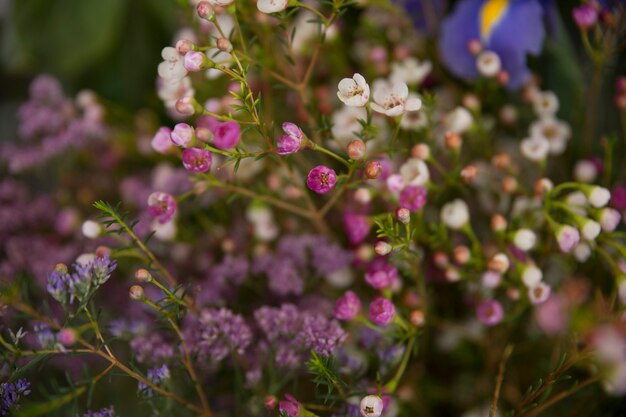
291,141
321,179
161,141
413,198
568,237
197,160
381,274
490,312
227,135
195,61
357,227
183,135
290,406
539,293
585,16
618,197
382,311
609,219
551,316
162,206
348,306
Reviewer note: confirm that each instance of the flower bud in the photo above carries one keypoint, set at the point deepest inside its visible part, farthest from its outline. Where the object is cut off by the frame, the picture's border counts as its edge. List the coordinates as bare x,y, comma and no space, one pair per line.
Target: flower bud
356,149
461,254
531,276
184,45
524,239
453,141
270,401
204,134
143,275
499,263
183,135
441,259
195,61
136,292
363,196
224,45
469,173
502,161
599,196
403,215
474,46
452,274
488,64
373,170
585,16
498,223
187,106
91,229
420,151
503,77
542,186
382,248
382,311
62,268
67,337
417,318
509,184
205,10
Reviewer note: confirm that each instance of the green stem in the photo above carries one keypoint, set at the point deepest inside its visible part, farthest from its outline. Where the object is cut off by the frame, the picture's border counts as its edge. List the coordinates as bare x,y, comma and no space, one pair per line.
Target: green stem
328,152
392,385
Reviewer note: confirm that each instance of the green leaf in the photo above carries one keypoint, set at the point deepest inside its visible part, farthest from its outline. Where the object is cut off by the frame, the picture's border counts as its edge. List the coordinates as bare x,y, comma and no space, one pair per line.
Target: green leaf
44,409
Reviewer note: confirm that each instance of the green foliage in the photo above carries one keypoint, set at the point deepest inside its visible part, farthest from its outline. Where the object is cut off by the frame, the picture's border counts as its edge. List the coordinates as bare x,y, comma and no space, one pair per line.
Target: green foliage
326,376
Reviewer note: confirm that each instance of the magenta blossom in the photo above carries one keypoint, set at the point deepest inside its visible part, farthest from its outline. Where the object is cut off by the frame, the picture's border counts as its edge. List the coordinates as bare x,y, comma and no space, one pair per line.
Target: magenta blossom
618,197
197,160
357,227
321,179
183,135
290,406
381,274
585,16
292,141
490,312
348,306
162,206
382,311
227,135
161,141
413,198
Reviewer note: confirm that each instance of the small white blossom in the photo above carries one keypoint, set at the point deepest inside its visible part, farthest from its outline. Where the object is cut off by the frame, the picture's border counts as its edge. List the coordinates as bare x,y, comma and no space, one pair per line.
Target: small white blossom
415,172
539,293
531,276
599,196
535,149
354,91
410,71
545,104
590,229
455,214
371,406
271,6
585,171
524,239
488,64
458,120
582,252
555,131
91,229
172,67
392,98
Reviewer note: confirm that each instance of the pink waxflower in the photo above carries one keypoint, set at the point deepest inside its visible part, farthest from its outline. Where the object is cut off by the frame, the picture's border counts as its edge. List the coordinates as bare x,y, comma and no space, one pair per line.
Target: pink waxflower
568,238
161,141
195,61
197,160
382,311
183,135
227,135
321,179
381,274
67,337
162,206
490,312
357,227
585,16
348,306
618,197
539,293
609,219
292,141
290,406
413,198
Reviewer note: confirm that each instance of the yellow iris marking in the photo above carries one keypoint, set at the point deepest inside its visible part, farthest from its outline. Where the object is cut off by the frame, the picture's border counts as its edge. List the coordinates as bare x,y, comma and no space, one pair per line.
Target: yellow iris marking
490,14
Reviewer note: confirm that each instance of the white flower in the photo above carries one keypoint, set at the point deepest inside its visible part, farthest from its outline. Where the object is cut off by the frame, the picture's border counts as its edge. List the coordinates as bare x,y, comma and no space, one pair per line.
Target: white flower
556,132
585,171
410,70
164,232
221,3
354,91
271,6
539,293
609,219
341,278
91,229
415,172
392,98
170,91
545,104
371,406
525,239
536,149
458,120
591,229
414,120
172,66
531,276
488,64
599,196
582,252
382,248
455,214
346,122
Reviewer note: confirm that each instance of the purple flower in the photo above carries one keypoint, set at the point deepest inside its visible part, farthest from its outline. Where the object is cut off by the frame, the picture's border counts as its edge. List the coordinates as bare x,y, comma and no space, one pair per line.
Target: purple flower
10,394
618,197
197,160
585,16
105,412
183,135
512,29
321,179
88,277
382,311
290,406
291,141
320,334
227,135
151,349
413,198
162,206
381,274
348,306
490,312
59,285
357,227
155,375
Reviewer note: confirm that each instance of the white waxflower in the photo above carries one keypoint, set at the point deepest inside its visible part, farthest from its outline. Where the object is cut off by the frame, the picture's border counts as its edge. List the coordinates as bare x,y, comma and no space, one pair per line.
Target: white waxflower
585,171
415,172
164,232
531,276
539,293
525,239
414,120
371,406
488,64
170,91
341,278
172,66
590,229
410,71
392,98
555,131
545,104
271,6
354,91
458,120
346,122
599,196
91,229
221,3
535,149
582,252
455,214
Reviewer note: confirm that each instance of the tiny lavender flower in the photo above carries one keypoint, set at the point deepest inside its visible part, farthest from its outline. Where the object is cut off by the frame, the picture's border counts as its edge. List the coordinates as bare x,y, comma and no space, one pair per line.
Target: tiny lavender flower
197,160
10,394
381,274
348,306
155,375
321,179
292,141
413,198
105,412
490,312
162,206
382,311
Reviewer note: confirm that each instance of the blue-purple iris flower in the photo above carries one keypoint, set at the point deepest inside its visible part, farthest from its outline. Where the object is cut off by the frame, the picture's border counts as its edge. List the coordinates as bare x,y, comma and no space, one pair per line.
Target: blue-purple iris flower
426,14
511,28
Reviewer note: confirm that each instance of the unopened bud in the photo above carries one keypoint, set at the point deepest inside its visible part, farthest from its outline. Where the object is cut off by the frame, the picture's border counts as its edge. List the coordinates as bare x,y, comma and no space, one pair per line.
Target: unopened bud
62,268
67,337
270,402
195,61
224,45
499,263
503,77
461,254
509,184
187,106
205,10
363,195
474,46
417,318
498,223
382,248
403,215
452,274
136,292
542,186
102,251
204,134
143,275
185,45
501,161
420,151
373,170
441,259
469,173
453,141
356,149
